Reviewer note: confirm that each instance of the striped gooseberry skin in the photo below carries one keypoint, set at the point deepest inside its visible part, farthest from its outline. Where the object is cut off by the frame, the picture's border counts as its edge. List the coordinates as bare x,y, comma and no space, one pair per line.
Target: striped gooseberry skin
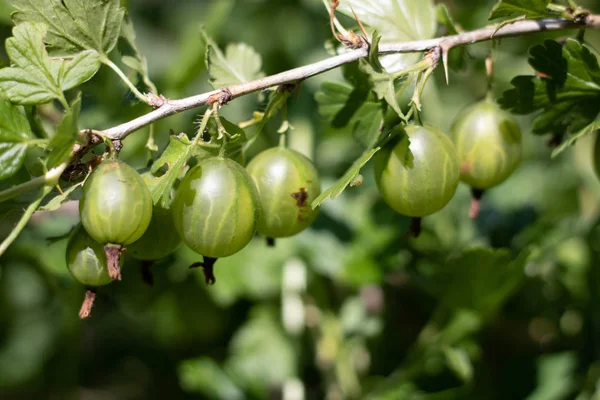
159,240
116,206
216,208
86,259
488,144
417,173
287,184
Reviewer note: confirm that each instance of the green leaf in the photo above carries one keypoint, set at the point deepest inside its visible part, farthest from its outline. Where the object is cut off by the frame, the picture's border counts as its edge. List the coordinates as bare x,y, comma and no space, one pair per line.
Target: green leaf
235,144
74,25
346,179
132,57
593,127
382,82
344,105
512,8
556,376
443,17
174,157
277,100
458,361
35,78
396,21
482,279
67,134
240,63
261,355
204,375
55,203
565,91
14,134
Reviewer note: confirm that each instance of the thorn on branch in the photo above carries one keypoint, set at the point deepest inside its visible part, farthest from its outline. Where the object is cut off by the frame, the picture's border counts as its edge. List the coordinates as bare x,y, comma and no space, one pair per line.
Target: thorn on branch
223,97
445,49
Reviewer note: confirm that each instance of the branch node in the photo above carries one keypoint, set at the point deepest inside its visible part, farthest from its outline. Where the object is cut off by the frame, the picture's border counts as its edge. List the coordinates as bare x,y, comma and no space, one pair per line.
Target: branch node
222,97
156,101
118,145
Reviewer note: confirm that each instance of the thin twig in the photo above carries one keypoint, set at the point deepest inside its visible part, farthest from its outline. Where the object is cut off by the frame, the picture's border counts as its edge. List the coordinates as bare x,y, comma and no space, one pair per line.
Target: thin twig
519,28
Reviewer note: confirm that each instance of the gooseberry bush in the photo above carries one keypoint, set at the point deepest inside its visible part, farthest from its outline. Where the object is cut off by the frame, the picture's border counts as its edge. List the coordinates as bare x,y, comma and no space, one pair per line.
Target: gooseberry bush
233,177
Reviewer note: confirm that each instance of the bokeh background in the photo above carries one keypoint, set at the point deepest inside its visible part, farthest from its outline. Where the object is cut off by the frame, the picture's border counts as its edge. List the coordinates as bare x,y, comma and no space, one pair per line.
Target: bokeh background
351,308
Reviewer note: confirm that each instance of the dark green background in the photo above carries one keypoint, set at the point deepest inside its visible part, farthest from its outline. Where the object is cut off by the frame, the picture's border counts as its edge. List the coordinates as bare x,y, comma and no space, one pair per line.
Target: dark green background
370,290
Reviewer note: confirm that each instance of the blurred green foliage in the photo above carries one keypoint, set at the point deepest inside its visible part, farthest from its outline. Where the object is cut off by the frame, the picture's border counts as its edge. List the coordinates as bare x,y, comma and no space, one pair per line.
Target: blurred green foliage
503,307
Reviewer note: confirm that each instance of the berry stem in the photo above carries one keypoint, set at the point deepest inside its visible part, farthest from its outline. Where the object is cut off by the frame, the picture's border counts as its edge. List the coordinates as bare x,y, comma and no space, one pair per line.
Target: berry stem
208,266
475,206
88,303
415,227
113,259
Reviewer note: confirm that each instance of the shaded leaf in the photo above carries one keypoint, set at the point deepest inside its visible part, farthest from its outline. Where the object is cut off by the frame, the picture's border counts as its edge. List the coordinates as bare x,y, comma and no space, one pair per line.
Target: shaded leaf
277,100
382,82
344,105
35,78
482,280
565,91
67,134
74,25
136,60
514,8
240,63
204,375
174,157
14,133
591,128
396,21
261,356
443,17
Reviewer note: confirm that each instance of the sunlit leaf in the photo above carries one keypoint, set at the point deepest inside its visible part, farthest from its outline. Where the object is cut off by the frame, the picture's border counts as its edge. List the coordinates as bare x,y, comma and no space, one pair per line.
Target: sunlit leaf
396,21
35,78
240,63
14,133
458,361
515,8
555,376
74,25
